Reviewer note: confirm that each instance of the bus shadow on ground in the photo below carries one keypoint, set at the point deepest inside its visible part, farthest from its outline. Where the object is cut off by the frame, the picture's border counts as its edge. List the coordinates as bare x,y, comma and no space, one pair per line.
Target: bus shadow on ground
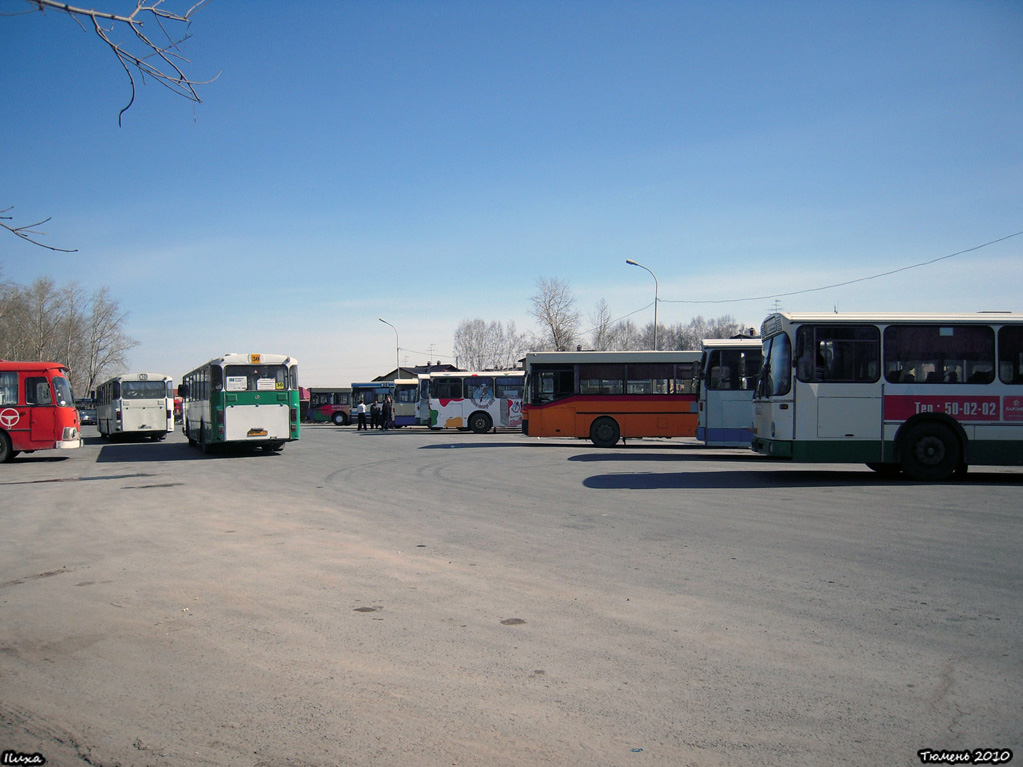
145,452
29,458
472,445
744,480
598,455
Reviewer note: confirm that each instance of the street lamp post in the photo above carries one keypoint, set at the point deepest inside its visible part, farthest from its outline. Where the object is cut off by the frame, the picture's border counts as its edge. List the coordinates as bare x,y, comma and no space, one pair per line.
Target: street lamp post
657,289
397,350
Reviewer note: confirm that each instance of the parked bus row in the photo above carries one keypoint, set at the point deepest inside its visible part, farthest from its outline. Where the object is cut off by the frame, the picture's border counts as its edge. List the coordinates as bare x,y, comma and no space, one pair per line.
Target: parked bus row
601,396
925,395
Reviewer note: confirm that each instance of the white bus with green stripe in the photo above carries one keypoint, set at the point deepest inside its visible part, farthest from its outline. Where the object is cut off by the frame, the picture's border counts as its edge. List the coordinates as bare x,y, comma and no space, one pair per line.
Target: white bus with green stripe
241,399
922,394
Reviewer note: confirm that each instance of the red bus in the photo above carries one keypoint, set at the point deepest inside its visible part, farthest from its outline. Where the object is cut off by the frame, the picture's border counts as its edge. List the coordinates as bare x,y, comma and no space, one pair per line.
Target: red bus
37,409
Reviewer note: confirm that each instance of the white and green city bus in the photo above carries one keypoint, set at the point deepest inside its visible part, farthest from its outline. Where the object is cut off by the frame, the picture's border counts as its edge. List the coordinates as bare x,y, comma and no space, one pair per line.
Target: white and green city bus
922,394
243,399
135,405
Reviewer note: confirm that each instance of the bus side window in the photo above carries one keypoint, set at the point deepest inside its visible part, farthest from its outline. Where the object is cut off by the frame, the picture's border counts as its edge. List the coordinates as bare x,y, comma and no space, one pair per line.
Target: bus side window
37,391
9,388
1010,354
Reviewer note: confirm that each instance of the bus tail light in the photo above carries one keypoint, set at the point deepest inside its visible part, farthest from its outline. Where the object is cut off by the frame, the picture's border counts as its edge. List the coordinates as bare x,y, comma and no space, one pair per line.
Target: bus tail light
294,419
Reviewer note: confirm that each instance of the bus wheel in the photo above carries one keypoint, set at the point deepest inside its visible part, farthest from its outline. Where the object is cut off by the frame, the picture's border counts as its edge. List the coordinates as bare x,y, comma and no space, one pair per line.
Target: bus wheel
339,419
480,423
605,432
930,451
7,451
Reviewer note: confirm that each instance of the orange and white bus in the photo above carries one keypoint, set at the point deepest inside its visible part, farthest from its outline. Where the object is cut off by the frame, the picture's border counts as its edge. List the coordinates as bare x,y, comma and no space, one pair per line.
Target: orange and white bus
37,409
608,396
922,394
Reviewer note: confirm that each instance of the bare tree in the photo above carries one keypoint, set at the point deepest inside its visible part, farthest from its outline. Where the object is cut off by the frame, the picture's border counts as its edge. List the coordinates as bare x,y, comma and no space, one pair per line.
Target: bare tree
602,334
41,317
44,322
479,345
626,336
689,335
104,345
554,308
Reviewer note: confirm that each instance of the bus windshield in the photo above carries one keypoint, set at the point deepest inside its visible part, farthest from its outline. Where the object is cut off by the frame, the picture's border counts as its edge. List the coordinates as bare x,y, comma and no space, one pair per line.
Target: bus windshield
776,377
63,389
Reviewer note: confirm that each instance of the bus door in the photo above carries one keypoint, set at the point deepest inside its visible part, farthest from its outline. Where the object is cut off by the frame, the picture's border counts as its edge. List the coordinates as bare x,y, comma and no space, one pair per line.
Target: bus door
842,365
41,412
423,404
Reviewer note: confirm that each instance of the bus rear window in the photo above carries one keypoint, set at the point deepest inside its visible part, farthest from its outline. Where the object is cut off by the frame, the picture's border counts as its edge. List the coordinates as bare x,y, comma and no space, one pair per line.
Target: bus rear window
255,378
143,389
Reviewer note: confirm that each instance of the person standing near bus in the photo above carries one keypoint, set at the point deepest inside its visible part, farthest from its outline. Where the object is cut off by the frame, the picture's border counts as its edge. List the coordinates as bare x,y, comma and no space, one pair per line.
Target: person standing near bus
361,413
374,414
386,421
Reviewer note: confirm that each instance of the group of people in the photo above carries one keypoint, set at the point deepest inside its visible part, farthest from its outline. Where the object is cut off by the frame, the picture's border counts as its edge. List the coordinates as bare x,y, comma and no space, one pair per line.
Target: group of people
381,415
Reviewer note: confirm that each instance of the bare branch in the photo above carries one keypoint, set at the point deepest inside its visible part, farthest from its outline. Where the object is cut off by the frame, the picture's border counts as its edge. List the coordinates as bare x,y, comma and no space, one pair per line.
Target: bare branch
29,233
162,61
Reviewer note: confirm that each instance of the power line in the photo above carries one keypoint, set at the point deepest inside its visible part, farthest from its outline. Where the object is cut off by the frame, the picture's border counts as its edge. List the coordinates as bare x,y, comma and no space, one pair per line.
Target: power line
841,284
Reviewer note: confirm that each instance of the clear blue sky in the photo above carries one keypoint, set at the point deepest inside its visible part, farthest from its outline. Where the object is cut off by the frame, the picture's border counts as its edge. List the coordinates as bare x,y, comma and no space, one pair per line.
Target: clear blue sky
428,162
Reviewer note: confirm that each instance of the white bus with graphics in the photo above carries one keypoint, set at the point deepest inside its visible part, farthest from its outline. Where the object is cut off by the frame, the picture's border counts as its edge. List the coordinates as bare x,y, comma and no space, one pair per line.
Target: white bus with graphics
921,394
728,373
478,401
135,405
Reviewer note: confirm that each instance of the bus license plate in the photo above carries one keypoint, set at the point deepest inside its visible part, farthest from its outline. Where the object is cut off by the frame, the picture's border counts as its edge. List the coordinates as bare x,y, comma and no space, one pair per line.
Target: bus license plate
257,432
